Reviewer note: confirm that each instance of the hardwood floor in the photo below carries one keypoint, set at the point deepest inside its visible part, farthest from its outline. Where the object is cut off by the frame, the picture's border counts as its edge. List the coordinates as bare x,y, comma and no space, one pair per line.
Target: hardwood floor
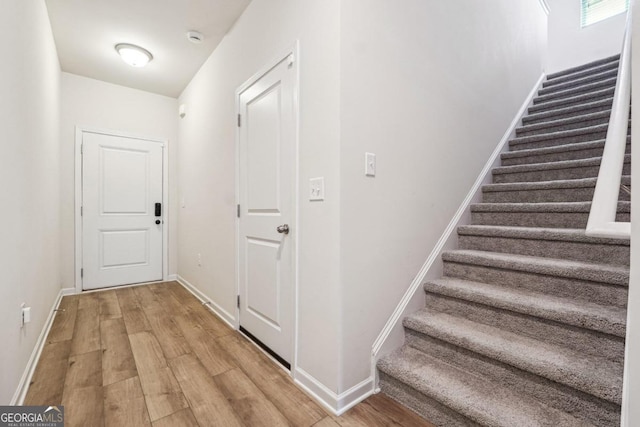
154,356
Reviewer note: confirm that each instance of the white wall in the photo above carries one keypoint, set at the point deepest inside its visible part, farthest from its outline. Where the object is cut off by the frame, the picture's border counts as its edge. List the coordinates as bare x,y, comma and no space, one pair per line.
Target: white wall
95,104
431,91
207,166
428,109
570,45
29,163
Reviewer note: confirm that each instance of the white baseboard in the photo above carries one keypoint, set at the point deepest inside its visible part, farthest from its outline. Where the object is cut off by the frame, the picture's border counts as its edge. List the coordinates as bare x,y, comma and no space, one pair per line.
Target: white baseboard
25,380
227,317
337,404
172,278
392,335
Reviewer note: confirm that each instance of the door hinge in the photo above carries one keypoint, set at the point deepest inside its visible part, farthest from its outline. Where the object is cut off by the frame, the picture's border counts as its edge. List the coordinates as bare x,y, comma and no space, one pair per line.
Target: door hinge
238,211
82,272
239,120
81,210
81,148
238,301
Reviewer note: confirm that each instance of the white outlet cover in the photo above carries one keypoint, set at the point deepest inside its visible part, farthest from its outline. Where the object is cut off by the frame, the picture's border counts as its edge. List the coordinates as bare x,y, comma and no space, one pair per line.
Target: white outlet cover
316,189
369,164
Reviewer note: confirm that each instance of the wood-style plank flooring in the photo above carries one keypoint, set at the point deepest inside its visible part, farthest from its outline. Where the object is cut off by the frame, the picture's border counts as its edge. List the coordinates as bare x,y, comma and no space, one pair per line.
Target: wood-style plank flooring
153,355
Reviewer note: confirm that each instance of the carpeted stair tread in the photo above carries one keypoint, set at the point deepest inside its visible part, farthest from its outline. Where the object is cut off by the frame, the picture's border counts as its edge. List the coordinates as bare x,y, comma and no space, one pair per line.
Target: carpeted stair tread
599,69
479,260
590,374
550,171
476,397
586,67
573,100
557,190
580,81
572,111
564,234
607,320
555,214
542,207
566,123
574,91
578,146
542,185
513,143
603,273
547,166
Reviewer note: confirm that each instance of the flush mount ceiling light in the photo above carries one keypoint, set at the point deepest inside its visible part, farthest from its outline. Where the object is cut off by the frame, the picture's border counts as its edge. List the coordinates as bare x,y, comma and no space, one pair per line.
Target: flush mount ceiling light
195,36
134,55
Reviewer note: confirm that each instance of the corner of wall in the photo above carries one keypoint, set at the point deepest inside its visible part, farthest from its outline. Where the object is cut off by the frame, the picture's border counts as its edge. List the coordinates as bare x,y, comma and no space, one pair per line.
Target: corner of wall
336,403
224,315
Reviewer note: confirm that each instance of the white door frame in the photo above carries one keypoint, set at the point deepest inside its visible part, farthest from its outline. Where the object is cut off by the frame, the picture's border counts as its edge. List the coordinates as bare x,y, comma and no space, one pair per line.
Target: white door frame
292,52
78,197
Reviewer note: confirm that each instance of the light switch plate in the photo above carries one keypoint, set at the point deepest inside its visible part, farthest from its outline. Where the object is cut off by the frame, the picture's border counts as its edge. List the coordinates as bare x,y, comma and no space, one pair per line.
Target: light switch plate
369,164
316,189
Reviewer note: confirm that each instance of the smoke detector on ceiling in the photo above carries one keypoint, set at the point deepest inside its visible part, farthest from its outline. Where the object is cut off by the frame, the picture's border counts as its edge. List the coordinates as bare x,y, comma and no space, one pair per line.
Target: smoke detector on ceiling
195,37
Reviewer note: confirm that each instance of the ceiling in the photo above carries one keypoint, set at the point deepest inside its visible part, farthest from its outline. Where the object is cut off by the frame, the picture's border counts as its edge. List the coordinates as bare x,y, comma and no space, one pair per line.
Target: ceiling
86,31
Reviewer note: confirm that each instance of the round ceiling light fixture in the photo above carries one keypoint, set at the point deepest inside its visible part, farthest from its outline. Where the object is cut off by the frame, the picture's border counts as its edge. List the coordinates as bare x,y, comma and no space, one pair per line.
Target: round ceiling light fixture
133,55
195,36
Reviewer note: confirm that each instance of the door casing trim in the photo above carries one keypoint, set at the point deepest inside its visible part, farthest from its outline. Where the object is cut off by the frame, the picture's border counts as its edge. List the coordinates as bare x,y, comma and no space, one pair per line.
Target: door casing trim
294,50
77,218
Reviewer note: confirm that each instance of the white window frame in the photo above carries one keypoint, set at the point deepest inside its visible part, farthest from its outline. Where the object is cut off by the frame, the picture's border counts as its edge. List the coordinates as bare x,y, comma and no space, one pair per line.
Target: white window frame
600,11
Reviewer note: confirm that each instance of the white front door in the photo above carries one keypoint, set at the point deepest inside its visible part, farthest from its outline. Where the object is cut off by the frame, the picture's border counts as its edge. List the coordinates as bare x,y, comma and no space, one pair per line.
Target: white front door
266,190
122,210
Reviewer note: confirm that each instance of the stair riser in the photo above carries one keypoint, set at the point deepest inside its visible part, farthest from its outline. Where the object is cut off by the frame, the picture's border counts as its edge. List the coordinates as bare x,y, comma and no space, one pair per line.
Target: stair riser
576,91
562,127
537,219
579,339
581,405
559,115
594,150
553,174
547,155
584,194
428,408
612,392
554,157
516,145
580,290
570,102
576,251
558,78
593,78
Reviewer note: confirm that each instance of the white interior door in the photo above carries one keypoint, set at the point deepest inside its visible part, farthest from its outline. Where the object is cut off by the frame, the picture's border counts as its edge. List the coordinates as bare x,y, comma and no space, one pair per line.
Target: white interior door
121,225
266,188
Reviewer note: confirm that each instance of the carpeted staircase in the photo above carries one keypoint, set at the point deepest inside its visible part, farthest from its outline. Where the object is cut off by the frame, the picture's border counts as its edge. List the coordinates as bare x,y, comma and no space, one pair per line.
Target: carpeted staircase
527,326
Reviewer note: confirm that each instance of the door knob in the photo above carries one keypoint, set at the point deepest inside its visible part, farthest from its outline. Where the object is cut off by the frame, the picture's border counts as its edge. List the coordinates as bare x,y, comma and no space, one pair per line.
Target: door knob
157,221
283,228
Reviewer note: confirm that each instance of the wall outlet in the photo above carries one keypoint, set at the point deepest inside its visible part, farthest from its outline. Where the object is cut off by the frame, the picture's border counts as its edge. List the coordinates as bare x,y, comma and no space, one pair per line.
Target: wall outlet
316,189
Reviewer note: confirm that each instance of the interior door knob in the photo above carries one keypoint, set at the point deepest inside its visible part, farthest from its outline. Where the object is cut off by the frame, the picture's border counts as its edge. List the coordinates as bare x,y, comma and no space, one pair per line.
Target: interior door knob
283,229
157,221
